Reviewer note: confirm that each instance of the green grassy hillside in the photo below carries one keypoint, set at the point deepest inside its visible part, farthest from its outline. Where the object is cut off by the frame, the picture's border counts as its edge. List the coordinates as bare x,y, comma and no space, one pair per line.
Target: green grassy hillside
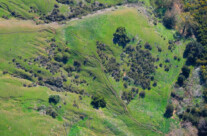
22,8
17,102
19,113
82,36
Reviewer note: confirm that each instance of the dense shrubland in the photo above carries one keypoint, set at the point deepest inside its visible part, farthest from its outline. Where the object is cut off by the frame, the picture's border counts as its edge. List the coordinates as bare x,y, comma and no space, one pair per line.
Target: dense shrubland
52,70
188,17
141,66
190,21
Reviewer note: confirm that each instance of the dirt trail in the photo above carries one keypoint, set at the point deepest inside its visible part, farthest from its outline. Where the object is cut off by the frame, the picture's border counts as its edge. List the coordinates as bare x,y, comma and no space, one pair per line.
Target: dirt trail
113,8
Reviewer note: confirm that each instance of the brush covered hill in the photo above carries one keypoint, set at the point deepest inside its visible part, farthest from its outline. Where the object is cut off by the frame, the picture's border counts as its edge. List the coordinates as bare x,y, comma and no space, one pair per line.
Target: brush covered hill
75,79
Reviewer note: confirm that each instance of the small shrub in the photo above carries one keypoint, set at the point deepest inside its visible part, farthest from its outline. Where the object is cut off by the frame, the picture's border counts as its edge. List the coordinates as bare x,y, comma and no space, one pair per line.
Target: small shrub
155,84
169,111
142,94
98,101
125,85
169,21
148,46
185,71
58,57
51,112
181,79
54,99
167,68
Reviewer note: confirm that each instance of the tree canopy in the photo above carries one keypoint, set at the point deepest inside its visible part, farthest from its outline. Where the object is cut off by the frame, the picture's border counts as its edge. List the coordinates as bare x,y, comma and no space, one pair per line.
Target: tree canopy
98,101
54,99
193,52
169,111
120,37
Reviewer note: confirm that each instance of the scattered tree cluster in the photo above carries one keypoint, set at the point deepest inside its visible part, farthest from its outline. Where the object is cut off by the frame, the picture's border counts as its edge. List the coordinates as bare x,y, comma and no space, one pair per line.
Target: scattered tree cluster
76,10
194,52
164,10
51,111
48,70
110,63
148,46
198,117
141,66
171,46
129,95
54,16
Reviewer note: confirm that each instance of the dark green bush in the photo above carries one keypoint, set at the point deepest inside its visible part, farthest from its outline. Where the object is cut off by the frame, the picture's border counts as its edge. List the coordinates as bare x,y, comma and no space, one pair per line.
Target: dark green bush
51,112
142,94
169,21
185,71
181,79
169,111
98,101
54,99
120,37
193,52
147,46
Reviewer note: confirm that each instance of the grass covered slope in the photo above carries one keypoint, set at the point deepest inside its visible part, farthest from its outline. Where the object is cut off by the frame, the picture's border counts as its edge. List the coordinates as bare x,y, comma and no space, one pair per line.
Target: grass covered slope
22,8
19,104
82,36
17,116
